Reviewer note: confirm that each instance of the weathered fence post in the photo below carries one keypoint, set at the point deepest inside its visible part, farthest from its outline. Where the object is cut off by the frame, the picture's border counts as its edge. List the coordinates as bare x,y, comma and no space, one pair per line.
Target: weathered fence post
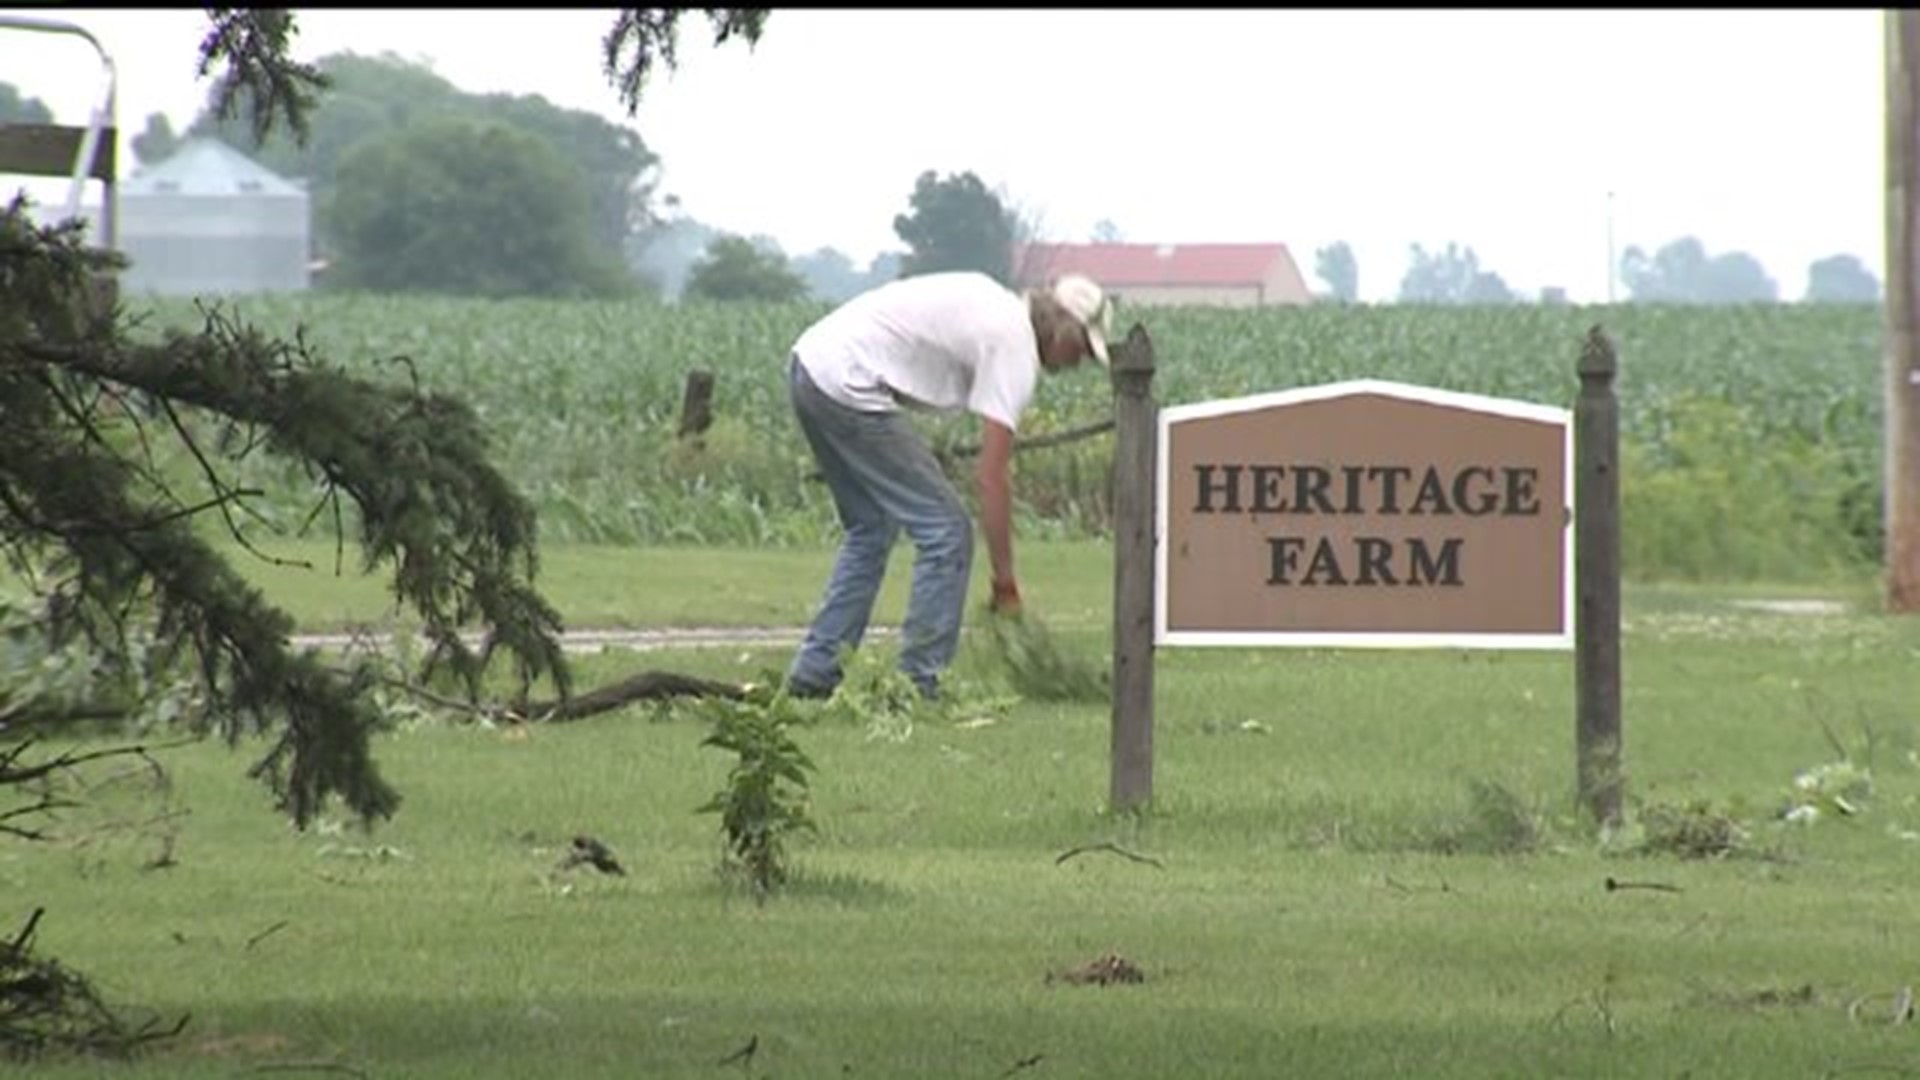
696,404
1596,428
1136,435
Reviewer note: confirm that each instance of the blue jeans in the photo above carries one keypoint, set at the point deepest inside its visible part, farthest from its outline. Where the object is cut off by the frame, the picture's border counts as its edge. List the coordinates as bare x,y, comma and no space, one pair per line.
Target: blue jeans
884,480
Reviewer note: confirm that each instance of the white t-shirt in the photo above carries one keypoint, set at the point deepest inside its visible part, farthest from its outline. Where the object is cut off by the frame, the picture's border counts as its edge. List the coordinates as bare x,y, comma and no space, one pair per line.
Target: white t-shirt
939,341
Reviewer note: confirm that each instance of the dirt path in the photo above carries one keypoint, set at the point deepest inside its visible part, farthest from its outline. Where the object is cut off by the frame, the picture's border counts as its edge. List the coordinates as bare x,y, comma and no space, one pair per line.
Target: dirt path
594,641
754,637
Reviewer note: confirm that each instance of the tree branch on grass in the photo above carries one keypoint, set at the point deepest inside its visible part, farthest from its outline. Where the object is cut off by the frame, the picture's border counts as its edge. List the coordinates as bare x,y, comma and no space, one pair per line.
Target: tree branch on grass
45,1008
125,555
1613,885
309,1066
1109,847
645,686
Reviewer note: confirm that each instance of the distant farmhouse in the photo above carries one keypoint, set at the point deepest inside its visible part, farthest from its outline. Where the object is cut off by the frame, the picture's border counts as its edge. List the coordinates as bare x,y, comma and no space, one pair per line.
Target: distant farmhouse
209,220
1224,275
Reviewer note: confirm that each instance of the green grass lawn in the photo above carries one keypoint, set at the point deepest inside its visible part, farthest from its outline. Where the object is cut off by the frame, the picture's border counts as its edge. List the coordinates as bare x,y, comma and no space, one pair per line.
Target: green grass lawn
655,587
1331,899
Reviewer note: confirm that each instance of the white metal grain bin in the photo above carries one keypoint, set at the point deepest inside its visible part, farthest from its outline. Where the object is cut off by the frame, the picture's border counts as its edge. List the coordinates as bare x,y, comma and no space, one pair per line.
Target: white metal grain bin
210,221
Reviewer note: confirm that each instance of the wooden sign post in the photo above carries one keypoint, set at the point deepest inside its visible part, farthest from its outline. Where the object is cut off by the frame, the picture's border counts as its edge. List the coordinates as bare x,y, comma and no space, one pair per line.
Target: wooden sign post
1136,433
1597,636
1369,514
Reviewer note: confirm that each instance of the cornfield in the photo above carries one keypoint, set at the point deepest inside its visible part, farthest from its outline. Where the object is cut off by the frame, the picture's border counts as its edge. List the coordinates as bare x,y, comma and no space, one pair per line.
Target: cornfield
583,397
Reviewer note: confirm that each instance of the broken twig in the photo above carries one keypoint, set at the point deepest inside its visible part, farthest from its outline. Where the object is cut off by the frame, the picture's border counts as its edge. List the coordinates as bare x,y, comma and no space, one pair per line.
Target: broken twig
1652,886
1115,848
267,933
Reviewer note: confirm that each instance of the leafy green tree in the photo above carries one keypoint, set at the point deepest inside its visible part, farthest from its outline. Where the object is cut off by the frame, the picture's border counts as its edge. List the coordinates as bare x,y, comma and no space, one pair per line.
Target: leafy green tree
884,267
1682,272
366,96
666,251
458,206
956,223
1335,264
18,109
1106,232
156,142
830,275
735,269
1841,279
370,97
619,171
1740,278
1452,276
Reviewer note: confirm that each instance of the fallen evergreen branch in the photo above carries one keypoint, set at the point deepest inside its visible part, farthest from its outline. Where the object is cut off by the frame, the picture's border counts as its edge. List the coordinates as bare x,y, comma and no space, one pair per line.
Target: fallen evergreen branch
47,1009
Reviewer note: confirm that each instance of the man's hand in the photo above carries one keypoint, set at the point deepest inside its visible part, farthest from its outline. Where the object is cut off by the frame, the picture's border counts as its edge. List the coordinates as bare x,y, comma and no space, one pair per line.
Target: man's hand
1006,598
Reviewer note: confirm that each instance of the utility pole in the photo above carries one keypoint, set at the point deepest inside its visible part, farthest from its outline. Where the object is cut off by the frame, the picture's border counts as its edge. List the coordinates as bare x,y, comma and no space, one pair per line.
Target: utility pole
1902,519
1613,264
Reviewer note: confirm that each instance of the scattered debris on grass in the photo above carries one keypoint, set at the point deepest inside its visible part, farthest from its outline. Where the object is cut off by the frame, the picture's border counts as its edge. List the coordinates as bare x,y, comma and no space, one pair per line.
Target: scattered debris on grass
1112,847
590,852
1107,970
1249,726
1767,998
1615,885
323,1066
267,933
1401,887
1692,831
47,1009
1900,1010
1023,1063
744,1055
1497,822
1834,788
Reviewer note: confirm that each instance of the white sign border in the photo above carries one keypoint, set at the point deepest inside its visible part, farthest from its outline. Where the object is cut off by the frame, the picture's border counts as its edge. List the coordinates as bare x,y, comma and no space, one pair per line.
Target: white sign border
1523,410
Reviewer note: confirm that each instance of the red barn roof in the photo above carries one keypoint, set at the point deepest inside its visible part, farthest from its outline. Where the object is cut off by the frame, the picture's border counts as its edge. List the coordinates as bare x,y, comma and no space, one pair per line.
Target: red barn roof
1119,265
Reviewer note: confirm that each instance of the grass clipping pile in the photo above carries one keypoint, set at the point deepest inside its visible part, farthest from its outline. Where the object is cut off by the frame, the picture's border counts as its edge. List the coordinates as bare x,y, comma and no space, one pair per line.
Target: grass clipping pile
47,1009
1038,667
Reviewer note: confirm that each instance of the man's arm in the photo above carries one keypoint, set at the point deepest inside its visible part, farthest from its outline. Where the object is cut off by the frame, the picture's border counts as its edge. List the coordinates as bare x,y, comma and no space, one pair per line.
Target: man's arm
996,510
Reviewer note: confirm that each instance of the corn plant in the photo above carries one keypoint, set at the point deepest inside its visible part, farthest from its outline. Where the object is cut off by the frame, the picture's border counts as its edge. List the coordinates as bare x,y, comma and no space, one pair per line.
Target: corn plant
580,399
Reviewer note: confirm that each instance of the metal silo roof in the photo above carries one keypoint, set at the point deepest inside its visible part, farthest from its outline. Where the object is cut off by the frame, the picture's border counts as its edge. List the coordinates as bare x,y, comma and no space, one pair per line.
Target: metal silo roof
207,166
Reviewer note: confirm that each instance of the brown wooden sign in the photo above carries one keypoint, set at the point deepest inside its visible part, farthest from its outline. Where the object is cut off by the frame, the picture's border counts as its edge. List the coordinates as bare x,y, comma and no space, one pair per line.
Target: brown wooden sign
1365,513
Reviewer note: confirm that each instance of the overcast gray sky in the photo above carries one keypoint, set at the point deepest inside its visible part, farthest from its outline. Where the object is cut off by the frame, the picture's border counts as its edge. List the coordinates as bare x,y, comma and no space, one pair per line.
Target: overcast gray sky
1761,131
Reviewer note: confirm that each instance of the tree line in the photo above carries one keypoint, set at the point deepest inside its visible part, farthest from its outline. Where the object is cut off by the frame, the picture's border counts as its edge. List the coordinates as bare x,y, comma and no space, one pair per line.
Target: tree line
418,186
1679,272
569,204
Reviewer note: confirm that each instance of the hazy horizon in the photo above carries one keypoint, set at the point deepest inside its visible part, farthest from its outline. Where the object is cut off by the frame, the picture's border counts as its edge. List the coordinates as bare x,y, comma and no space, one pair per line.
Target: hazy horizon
1528,136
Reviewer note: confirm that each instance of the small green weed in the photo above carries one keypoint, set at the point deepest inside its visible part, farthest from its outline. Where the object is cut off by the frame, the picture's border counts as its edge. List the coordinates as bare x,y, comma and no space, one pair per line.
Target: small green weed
765,801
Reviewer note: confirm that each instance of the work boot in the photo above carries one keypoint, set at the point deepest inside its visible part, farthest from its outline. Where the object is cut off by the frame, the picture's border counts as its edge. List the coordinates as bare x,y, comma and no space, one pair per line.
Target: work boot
808,691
